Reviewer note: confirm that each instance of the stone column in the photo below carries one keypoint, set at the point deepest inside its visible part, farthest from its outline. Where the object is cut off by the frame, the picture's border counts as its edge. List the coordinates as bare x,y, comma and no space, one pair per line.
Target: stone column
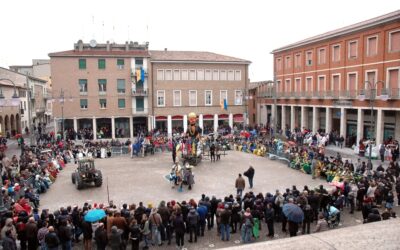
55,121
360,125
185,123
231,120
343,122
131,127
283,126
315,123
292,118
397,128
215,123
169,126
304,118
273,117
149,123
112,127
379,126
328,120
259,114
94,128
75,124
201,125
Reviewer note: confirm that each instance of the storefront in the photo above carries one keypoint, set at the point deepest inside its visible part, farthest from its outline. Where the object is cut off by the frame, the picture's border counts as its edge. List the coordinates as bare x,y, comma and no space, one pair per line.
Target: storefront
238,121
208,124
122,128
177,124
161,123
103,128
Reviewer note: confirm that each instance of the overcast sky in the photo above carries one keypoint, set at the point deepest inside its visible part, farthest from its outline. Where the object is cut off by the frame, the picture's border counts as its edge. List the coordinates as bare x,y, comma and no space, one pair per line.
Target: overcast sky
245,29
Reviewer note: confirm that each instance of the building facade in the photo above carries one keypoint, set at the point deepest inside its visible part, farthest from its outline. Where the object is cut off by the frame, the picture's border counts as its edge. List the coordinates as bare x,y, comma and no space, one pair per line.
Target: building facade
331,81
211,85
102,88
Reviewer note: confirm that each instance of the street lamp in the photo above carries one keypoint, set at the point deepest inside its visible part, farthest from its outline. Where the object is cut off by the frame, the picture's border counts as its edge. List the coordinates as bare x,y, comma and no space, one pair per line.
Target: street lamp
62,100
372,86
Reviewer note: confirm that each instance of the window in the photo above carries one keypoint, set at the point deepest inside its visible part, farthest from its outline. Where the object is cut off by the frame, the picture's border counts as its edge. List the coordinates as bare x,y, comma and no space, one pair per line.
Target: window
120,63
287,85
168,75
279,85
103,103
353,46
138,62
121,103
102,86
208,97
335,85
309,58
192,98
394,41
160,74
200,75
121,86
288,62
336,53
370,76
278,64
372,46
101,63
351,81
238,75
177,98
297,85
192,75
139,104
238,97
223,95
321,83
231,75
84,103
222,75
297,60
309,87
83,86
208,76
177,75
216,75
393,76
160,98
184,75
82,63
321,56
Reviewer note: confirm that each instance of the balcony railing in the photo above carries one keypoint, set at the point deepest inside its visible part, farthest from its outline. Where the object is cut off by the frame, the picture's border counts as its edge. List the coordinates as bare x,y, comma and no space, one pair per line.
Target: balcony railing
40,110
139,92
140,111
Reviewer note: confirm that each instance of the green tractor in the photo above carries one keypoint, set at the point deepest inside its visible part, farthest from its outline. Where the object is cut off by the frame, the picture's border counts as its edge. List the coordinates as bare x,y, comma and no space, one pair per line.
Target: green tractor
86,174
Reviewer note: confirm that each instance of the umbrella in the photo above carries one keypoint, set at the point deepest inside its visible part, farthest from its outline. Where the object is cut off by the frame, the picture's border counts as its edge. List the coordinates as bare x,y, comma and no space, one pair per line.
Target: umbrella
293,212
292,143
95,215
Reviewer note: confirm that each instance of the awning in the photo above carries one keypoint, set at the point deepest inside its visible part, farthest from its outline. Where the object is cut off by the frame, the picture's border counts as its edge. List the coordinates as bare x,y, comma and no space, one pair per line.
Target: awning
161,118
238,118
208,117
177,117
223,116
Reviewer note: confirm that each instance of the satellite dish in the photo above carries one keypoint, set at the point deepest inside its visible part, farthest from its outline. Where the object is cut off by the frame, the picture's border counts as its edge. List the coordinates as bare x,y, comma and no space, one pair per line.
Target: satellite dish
93,43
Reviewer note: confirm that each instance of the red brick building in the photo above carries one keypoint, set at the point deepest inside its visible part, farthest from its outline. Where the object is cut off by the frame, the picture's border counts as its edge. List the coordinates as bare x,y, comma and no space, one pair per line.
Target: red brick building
324,82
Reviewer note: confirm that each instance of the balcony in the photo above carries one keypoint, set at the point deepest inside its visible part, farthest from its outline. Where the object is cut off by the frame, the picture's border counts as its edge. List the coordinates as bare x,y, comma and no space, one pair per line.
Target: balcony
47,96
139,92
391,93
40,110
140,111
308,94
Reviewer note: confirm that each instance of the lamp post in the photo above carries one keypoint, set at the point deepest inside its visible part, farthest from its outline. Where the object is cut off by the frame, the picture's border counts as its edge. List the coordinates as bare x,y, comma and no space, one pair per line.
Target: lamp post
372,86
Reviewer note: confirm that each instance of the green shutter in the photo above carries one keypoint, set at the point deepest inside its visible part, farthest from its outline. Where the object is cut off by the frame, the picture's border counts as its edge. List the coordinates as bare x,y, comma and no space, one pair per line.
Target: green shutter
102,85
121,103
139,104
83,85
84,103
120,62
82,63
102,63
121,85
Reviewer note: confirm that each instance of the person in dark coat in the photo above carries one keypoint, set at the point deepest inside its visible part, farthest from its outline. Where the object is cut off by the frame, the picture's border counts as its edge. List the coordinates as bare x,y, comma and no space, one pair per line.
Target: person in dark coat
116,238
193,222
65,235
250,175
87,234
31,231
269,219
308,218
9,242
235,217
52,240
134,234
180,229
100,236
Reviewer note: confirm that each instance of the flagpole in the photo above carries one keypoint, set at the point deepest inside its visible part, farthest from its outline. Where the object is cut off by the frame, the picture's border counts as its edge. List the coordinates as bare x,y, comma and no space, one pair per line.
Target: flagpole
108,193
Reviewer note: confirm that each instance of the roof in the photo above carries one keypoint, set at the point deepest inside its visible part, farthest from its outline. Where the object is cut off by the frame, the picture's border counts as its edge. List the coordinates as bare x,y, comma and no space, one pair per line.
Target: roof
389,17
9,84
193,56
30,77
100,53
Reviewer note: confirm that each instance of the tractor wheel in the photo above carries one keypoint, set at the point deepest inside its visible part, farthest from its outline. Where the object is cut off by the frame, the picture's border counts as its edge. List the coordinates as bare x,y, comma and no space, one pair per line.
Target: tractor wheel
99,179
73,176
79,182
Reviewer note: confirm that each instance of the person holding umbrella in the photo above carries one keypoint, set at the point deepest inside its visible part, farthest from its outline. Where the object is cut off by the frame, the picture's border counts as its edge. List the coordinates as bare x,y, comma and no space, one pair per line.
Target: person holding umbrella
294,215
250,175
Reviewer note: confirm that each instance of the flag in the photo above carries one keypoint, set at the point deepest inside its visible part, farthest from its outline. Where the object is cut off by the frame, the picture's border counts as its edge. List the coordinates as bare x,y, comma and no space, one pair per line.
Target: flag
224,104
138,77
142,74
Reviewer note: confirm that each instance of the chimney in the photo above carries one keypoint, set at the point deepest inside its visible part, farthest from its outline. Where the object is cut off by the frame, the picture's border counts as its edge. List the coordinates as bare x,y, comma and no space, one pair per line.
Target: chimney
126,46
80,45
165,49
108,46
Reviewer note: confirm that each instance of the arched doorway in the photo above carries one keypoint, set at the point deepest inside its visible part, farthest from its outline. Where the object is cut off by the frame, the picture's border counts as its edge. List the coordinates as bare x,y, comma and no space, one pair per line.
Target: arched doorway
18,123
1,126
12,123
6,125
